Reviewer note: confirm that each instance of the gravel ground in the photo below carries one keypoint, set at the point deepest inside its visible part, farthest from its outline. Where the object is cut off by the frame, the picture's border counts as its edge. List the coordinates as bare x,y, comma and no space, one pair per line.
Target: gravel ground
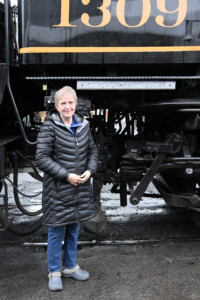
160,271
163,271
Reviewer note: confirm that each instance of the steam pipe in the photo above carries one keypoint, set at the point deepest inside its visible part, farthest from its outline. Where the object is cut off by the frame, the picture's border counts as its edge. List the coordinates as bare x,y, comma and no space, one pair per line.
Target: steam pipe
7,44
18,229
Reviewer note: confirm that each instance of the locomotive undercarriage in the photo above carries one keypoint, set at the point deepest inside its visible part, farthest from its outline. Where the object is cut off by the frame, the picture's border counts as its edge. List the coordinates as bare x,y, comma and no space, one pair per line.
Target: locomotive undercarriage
170,161
138,143
140,138
168,155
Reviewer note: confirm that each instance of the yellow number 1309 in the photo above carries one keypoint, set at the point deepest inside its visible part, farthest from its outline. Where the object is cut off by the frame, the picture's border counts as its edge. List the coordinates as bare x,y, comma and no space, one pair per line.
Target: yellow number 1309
120,12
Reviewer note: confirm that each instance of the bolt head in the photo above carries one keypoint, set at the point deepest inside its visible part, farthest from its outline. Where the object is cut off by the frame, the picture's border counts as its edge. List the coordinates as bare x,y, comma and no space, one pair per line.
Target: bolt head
189,171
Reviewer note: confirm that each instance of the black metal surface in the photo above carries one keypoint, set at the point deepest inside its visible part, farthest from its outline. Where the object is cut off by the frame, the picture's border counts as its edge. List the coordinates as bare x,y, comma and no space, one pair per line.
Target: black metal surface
2,33
2,81
139,191
7,43
191,200
123,194
135,146
50,24
111,77
4,141
2,161
141,188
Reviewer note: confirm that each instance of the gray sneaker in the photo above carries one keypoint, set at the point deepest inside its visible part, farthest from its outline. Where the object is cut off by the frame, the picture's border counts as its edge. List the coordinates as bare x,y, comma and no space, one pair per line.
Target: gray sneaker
55,282
75,273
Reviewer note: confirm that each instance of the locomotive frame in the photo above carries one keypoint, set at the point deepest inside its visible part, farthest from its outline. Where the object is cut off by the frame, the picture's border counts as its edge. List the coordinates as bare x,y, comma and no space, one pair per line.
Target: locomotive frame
140,80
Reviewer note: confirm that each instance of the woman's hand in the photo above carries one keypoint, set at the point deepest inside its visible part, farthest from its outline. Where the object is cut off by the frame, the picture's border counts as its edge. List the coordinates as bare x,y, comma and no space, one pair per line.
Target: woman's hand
85,176
74,179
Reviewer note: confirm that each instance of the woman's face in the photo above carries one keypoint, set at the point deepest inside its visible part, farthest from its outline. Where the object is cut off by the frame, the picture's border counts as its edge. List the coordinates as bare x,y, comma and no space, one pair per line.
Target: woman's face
66,106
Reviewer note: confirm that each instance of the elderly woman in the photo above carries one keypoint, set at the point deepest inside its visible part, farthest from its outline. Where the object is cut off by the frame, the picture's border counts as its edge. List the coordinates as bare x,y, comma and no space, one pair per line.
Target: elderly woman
67,155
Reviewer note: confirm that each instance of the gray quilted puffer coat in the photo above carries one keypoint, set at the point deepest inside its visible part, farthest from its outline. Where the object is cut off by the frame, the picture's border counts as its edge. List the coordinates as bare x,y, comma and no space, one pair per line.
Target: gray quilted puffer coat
59,153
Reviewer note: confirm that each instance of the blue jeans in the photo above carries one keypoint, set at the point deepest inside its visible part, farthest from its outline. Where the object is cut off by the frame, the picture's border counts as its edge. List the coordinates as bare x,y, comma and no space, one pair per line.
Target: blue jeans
55,236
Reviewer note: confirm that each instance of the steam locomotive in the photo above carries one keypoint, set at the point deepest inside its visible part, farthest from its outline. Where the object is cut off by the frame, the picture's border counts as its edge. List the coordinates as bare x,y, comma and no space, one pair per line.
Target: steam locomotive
136,68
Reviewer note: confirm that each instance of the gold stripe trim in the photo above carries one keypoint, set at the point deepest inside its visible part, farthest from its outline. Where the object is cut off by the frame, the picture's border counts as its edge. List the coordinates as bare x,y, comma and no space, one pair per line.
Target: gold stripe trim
107,49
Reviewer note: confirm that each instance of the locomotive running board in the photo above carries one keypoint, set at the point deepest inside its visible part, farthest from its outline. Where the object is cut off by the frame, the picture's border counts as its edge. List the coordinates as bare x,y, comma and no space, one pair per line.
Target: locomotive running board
126,85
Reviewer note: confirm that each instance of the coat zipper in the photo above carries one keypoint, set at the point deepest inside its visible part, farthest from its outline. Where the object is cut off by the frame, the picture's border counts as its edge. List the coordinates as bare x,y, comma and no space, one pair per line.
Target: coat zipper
77,156
77,143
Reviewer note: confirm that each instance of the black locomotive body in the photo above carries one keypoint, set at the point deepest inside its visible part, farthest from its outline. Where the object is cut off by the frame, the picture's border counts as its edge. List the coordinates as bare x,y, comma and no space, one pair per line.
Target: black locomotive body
136,67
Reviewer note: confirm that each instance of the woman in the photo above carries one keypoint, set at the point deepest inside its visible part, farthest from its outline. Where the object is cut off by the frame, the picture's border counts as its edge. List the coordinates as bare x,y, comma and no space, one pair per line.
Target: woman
67,155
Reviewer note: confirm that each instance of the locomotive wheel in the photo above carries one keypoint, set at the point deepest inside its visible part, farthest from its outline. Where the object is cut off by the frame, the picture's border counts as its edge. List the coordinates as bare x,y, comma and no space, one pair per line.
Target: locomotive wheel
20,229
182,187
195,216
14,158
176,191
23,228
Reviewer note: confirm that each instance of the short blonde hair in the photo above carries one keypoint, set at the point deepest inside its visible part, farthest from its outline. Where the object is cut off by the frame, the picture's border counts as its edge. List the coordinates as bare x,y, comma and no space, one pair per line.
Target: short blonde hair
66,90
